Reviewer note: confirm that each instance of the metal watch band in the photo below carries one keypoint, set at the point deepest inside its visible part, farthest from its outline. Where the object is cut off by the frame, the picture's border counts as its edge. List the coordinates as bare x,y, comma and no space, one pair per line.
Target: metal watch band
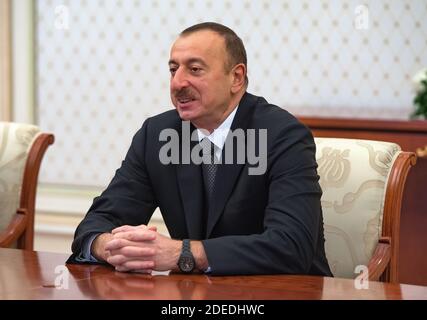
186,245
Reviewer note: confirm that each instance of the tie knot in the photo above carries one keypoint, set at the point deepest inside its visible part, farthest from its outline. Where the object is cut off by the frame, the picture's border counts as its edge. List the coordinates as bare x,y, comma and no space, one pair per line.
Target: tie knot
207,145
208,151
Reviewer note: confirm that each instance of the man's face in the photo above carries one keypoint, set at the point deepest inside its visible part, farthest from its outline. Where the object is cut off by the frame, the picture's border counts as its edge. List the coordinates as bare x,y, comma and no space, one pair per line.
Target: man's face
200,85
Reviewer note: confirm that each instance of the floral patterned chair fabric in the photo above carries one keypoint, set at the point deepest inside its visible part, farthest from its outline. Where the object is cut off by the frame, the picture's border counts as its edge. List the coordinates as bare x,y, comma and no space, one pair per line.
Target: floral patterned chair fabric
354,177
17,145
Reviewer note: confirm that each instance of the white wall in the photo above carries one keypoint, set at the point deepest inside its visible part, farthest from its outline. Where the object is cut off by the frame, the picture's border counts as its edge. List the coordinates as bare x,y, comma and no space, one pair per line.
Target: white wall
99,79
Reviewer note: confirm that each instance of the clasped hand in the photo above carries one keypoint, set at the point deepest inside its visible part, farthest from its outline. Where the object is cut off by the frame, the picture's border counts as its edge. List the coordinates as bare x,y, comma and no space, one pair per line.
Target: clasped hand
141,249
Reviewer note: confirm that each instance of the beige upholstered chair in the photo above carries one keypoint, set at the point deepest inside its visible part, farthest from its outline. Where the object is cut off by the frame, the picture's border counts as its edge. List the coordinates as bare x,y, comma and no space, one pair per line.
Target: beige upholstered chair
362,183
22,147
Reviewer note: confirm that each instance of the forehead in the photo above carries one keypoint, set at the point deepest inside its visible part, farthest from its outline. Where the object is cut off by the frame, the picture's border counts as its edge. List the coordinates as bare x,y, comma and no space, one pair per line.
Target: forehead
204,44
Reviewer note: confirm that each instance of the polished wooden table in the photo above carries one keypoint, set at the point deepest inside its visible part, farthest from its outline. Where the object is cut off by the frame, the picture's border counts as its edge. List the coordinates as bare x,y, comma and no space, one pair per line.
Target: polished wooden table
41,275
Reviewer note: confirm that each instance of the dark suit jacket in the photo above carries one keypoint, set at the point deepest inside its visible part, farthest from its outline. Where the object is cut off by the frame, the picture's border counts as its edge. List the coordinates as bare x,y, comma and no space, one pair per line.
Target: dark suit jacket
258,224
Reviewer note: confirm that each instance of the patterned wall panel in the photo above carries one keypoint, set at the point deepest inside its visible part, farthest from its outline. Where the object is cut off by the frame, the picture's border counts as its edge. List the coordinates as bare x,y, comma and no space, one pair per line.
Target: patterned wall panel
102,66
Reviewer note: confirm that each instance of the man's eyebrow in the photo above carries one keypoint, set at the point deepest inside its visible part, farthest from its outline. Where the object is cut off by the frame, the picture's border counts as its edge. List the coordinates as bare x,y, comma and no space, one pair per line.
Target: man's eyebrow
189,61
196,60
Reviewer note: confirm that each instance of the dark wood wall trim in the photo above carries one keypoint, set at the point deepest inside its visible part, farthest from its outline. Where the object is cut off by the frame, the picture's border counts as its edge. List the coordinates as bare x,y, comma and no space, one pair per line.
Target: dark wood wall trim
366,124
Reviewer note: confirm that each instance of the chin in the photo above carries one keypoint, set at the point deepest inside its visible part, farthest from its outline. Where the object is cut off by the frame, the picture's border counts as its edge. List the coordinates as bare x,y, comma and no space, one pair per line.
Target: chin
186,115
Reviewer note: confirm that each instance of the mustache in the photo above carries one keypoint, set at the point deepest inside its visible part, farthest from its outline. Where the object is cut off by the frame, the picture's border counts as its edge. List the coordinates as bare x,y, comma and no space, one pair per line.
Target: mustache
184,93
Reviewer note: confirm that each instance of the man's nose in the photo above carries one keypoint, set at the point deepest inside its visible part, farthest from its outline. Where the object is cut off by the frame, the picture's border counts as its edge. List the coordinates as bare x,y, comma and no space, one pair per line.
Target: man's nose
179,80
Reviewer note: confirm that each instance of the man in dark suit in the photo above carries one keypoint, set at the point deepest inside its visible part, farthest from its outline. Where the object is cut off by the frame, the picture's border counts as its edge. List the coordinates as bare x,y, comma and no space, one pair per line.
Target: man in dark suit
224,217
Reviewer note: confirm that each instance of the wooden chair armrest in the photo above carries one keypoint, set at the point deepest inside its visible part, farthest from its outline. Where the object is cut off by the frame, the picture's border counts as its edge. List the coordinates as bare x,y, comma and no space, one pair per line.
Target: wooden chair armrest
380,259
15,228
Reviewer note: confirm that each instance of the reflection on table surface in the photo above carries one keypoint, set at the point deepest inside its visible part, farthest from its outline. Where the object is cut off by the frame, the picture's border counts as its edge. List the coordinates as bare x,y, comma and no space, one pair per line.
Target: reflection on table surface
42,275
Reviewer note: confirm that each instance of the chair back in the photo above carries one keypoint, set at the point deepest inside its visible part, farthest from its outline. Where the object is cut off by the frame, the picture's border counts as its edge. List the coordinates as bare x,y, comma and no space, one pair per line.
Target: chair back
21,149
354,175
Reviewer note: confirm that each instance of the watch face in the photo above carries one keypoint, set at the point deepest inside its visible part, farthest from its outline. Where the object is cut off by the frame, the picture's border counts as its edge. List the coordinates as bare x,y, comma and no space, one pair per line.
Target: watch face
186,264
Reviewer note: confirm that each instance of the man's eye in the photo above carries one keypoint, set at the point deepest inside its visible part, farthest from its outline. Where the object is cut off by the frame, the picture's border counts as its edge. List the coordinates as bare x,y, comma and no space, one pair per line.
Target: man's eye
195,69
172,70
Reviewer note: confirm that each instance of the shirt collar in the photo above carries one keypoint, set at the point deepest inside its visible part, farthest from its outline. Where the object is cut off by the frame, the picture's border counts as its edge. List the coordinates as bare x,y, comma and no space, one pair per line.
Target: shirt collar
218,136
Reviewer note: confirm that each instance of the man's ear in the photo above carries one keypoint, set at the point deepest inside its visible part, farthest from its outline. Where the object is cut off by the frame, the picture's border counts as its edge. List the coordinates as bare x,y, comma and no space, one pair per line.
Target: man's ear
239,77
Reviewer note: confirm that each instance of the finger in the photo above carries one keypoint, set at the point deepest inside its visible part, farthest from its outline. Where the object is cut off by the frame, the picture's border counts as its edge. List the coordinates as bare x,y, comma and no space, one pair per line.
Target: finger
152,228
117,260
134,252
121,229
124,228
116,244
143,271
138,265
120,260
119,257
121,269
137,235
127,228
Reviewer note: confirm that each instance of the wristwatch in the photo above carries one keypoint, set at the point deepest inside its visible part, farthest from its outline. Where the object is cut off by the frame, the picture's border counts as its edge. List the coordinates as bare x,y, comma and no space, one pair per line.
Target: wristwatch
186,262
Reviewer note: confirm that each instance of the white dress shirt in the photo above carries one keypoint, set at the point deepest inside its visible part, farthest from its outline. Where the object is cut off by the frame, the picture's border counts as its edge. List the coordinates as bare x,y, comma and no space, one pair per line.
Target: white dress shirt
218,136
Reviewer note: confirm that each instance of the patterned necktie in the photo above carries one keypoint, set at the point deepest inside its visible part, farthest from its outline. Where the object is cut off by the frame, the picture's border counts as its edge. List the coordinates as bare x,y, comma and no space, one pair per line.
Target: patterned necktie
209,168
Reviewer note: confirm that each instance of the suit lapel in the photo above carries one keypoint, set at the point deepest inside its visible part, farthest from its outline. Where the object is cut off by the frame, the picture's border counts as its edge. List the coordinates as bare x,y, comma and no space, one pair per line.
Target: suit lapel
190,184
227,174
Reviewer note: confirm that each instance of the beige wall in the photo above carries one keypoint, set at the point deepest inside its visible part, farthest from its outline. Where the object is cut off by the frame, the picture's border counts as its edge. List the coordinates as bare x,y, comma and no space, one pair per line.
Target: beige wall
5,61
